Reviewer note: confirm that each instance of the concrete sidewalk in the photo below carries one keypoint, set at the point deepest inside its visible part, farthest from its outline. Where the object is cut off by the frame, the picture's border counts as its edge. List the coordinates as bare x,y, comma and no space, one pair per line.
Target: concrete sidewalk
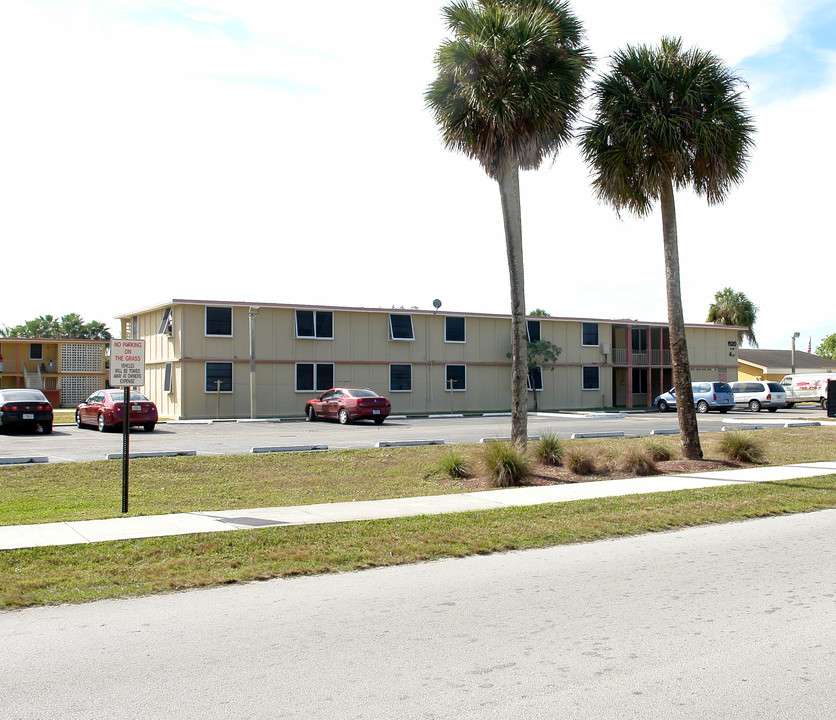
122,528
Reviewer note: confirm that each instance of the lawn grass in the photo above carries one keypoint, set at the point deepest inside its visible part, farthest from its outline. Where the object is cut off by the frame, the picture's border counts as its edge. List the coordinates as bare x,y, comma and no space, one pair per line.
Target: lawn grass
82,573
77,491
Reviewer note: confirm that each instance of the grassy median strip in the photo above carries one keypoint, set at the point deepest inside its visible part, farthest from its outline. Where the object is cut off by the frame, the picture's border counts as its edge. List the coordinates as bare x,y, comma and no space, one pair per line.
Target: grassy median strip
82,573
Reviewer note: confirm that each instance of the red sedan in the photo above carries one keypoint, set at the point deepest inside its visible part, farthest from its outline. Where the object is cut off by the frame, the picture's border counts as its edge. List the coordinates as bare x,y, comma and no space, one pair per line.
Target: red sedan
347,404
103,409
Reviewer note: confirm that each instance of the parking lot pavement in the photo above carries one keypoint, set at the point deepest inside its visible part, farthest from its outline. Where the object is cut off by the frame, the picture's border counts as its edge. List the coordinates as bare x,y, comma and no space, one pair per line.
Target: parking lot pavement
70,444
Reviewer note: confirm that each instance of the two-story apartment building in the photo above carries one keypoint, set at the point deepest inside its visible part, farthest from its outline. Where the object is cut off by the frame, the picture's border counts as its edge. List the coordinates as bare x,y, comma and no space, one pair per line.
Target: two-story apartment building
208,359
65,369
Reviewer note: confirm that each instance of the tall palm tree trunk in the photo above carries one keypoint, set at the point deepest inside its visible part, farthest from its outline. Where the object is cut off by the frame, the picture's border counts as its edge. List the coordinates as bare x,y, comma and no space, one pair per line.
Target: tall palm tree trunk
686,414
509,192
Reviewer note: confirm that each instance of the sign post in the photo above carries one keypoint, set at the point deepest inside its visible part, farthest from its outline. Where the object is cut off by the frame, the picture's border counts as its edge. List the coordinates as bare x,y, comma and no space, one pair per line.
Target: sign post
127,370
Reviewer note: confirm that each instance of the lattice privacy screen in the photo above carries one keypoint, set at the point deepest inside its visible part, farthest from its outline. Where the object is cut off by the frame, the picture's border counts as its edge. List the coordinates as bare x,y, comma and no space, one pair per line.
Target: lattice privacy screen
81,358
77,389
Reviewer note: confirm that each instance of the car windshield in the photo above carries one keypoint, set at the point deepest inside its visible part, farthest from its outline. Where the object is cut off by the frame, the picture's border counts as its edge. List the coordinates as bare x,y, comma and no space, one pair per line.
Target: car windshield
119,395
23,396
363,393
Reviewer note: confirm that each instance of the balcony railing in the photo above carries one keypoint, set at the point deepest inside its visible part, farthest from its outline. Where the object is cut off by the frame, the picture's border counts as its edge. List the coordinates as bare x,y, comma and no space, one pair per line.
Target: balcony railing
641,357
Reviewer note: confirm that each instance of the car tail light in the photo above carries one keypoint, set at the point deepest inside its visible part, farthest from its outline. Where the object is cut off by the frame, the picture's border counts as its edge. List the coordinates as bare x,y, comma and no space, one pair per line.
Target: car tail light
13,408
769,396
714,395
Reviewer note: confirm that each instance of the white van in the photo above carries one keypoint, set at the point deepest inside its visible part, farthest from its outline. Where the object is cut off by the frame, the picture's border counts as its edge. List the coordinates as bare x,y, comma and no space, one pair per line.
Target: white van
807,387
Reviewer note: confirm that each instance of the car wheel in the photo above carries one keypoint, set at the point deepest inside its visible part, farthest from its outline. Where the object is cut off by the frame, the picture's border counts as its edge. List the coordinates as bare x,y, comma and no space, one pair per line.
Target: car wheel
789,405
702,407
77,419
149,427
824,404
47,428
310,414
663,406
723,411
378,420
754,406
100,423
343,416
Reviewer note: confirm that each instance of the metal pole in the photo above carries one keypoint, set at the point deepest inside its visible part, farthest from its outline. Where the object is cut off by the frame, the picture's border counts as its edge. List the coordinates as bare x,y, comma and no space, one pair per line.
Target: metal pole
792,361
126,434
252,313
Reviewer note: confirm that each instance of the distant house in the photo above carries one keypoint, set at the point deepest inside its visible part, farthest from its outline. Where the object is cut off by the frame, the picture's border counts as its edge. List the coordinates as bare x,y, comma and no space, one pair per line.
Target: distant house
756,364
201,357
65,369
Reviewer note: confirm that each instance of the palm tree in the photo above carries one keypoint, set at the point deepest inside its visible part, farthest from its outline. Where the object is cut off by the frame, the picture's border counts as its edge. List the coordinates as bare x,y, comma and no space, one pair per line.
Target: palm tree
734,308
666,118
509,87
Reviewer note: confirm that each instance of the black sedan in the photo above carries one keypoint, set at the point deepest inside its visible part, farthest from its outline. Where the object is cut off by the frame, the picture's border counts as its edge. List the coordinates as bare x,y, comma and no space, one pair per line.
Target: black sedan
25,408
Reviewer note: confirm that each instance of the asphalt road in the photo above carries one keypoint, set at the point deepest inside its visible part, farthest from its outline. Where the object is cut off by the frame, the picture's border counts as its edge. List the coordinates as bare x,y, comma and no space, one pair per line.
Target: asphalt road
732,621
68,443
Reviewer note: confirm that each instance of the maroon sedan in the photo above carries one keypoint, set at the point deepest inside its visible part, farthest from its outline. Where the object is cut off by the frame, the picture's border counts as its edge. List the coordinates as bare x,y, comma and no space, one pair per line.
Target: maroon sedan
103,409
347,404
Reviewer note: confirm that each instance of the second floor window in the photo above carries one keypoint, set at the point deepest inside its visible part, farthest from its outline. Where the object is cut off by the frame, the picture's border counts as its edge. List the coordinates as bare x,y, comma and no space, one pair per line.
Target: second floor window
400,327
219,321
315,324
454,329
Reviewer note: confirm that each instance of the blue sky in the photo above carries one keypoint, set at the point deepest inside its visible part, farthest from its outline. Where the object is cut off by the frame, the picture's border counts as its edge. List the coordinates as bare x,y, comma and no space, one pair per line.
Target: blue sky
281,152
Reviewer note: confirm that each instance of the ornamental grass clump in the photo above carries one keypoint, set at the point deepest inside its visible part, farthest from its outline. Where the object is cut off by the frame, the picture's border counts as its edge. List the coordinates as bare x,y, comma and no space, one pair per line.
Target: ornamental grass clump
638,460
658,451
454,464
548,449
506,463
740,446
580,461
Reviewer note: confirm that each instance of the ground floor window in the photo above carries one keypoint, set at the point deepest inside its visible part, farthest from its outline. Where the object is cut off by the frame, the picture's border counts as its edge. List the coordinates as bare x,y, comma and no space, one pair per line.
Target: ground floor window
400,378
167,377
455,377
535,378
219,377
312,377
591,377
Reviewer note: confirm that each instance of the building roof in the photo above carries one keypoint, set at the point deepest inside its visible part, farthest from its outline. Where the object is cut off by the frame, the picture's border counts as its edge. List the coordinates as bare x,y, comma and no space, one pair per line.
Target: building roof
781,360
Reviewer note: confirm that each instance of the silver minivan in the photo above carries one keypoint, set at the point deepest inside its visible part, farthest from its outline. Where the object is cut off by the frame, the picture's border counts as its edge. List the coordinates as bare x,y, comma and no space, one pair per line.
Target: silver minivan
759,394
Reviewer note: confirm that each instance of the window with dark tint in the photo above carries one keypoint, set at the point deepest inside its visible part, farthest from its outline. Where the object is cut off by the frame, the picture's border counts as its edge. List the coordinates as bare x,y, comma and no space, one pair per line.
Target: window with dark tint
454,329
167,377
639,381
590,334
315,324
219,372
36,351
775,387
400,327
590,378
532,329
455,377
639,339
361,392
400,378
219,321
724,388
535,378
166,325
314,376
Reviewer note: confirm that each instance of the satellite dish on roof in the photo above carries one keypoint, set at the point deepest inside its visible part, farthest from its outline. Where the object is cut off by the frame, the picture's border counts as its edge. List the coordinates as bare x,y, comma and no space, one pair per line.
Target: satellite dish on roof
436,303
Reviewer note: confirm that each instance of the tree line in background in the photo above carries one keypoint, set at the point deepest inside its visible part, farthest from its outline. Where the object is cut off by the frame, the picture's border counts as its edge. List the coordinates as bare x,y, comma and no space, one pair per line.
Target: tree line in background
509,89
71,325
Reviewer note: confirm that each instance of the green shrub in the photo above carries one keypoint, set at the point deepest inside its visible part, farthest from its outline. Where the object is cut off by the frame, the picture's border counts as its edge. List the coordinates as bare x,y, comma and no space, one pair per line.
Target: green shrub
454,464
548,449
741,446
658,451
580,461
638,460
506,463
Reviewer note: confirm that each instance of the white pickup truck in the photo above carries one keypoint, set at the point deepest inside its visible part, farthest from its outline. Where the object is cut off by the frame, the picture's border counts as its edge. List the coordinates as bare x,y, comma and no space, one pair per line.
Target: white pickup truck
807,387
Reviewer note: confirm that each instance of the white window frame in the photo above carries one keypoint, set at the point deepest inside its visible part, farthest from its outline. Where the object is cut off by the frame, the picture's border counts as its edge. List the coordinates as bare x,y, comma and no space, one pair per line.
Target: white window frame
316,366
168,378
231,320
411,327
455,317
391,365
598,385
231,376
597,334
528,380
314,336
528,334
167,323
448,389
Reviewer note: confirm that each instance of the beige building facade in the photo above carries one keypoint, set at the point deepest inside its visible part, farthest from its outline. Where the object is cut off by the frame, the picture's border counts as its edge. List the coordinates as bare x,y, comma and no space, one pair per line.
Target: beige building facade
202,355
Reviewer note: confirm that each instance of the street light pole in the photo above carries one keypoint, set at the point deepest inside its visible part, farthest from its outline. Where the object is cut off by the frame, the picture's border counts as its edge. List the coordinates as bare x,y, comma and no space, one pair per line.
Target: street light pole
792,361
252,313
